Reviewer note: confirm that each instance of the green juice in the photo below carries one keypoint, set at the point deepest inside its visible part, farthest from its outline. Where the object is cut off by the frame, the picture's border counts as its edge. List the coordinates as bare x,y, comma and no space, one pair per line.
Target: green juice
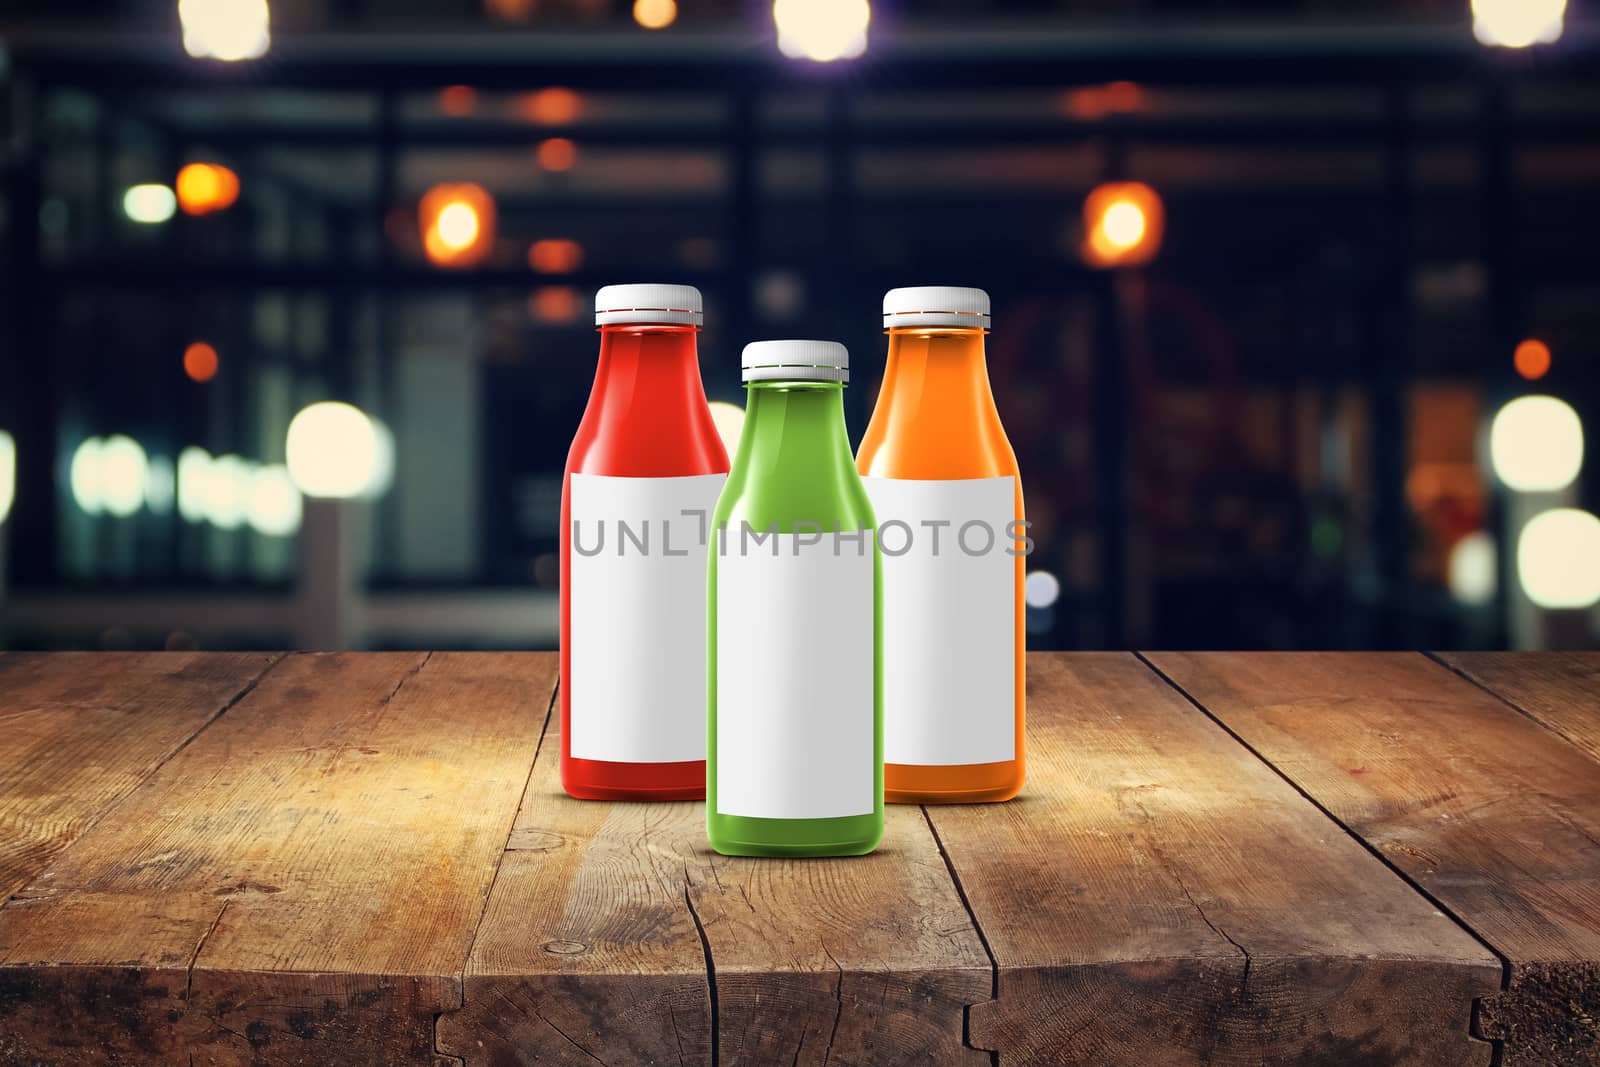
795,712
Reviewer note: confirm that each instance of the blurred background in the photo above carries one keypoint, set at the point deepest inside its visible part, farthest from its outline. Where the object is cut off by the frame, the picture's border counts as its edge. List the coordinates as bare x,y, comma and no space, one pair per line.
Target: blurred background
1296,302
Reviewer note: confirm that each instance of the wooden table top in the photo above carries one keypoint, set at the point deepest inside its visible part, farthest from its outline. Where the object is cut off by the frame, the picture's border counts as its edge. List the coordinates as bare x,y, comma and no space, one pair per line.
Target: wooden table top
366,859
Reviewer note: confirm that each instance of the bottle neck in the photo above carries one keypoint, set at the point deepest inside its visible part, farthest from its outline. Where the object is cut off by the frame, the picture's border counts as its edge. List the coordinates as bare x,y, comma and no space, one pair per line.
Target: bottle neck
794,423
941,365
649,365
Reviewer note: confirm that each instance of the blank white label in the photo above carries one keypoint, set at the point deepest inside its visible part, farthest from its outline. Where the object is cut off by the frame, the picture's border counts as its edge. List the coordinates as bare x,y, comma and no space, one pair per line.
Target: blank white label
795,686
949,620
638,631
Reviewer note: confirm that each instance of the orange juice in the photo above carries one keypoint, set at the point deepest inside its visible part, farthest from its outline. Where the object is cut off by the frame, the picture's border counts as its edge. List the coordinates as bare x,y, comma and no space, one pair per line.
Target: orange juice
948,498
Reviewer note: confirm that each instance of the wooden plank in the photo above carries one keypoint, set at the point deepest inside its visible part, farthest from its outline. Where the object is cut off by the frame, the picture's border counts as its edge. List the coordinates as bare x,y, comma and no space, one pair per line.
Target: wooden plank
596,943
78,731
1159,896
297,886
1492,814
1559,689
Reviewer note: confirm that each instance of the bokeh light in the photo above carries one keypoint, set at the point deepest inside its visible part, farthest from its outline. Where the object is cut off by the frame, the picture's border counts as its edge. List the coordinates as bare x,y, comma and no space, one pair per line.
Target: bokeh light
124,470
228,492
160,485
557,154
1536,444
333,451
8,474
1473,569
550,107
200,362
1558,559
555,305
458,223
1041,589
83,476
273,507
150,203
822,30
555,256
204,188
1533,359
1123,225
229,30
194,484
655,14
1518,23
458,101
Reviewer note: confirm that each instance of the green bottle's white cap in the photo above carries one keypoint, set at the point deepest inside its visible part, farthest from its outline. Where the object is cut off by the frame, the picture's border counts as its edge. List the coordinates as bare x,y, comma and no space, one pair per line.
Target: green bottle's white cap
936,305
796,361
652,304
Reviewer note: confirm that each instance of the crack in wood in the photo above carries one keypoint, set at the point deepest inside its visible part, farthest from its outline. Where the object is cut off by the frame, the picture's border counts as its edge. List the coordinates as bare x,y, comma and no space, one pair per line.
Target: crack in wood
711,970
983,939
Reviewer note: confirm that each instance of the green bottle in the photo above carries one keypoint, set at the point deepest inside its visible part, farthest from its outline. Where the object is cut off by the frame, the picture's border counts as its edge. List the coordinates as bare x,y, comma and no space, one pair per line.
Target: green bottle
795,710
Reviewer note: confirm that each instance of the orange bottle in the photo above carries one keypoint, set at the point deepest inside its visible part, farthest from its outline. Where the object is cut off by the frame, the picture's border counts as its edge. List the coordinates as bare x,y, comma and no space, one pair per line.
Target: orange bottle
948,498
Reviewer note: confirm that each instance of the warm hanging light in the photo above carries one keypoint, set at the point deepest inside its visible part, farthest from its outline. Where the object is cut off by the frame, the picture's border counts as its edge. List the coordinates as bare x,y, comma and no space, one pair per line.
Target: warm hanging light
204,188
655,14
457,224
1518,23
228,30
458,100
822,30
1123,223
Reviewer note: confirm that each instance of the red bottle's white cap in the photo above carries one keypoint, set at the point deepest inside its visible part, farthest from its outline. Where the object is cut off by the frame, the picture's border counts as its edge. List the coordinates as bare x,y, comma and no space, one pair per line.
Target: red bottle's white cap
936,305
658,304
796,361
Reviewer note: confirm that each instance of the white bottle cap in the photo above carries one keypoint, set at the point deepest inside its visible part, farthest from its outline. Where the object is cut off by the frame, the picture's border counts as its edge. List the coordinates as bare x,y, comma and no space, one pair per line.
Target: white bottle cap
936,305
796,361
665,305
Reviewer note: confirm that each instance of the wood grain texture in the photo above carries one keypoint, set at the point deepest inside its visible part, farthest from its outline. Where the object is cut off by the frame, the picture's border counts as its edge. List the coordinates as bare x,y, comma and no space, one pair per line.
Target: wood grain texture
1559,689
78,731
1488,811
596,940
299,885
1159,896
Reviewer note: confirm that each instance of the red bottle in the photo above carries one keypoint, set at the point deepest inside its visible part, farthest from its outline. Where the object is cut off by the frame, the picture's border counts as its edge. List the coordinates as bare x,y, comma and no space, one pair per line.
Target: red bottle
642,480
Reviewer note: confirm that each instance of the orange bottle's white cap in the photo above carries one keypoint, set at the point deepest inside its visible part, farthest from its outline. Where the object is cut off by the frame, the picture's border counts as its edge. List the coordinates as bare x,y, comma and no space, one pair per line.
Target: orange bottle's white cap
796,361
665,305
936,305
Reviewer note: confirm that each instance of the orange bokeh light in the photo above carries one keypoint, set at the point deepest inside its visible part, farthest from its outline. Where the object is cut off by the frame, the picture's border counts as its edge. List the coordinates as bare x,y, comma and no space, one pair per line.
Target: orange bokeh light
200,362
206,187
550,107
1533,359
557,154
556,304
512,10
457,223
1123,225
458,100
555,256
655,14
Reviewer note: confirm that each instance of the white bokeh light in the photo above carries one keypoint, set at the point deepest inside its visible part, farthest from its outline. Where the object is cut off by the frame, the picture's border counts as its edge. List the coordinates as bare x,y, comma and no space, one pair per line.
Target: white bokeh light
228,492
124,468
194,484
149,204
1536,444
1125,225
1518,23
274,502
458,225
8,474
1558,559
730,423
83,476
229,30
335,450
1041,589
1473,565
822,30
160,485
